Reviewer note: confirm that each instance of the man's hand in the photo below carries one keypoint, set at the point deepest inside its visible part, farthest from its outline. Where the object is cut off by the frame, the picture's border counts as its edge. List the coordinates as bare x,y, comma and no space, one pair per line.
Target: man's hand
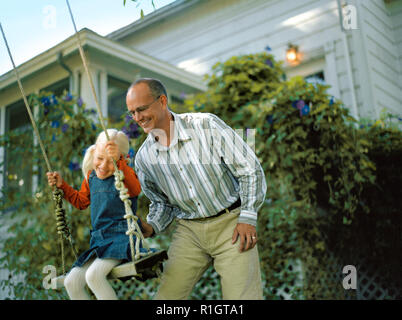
247,234
147,229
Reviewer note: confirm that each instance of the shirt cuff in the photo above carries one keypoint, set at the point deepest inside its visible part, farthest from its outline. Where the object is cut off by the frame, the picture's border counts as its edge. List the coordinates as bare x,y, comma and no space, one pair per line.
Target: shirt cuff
248,217
156,230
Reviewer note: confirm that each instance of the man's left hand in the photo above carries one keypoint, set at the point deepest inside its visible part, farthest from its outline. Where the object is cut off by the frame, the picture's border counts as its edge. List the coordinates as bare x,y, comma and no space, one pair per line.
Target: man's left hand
247,234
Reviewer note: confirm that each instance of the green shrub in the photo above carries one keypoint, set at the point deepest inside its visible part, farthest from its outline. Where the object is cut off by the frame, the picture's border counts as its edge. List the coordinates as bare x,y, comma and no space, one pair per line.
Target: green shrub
318,167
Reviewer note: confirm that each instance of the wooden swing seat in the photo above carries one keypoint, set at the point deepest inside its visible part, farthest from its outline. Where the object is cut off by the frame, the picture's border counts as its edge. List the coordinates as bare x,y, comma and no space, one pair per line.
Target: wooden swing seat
142,269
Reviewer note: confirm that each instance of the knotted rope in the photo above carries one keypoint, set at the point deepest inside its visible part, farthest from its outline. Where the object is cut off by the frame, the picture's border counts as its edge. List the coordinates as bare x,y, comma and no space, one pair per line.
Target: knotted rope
61,223
132,224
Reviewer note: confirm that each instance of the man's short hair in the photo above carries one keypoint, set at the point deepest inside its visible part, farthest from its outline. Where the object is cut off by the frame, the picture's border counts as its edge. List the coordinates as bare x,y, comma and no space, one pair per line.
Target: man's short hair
155,86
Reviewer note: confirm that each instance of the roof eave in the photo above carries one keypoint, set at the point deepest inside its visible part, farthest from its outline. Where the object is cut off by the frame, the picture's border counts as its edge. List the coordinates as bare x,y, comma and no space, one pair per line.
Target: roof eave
93,40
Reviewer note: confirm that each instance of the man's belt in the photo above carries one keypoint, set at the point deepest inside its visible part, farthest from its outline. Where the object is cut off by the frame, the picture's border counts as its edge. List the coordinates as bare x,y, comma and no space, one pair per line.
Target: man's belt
232,207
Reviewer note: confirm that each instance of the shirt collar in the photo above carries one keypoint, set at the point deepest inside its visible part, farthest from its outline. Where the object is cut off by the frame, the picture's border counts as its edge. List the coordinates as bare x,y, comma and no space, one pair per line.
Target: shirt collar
179,134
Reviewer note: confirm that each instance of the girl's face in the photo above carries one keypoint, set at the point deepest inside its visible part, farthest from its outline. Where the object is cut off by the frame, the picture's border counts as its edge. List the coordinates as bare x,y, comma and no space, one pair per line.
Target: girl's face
103,164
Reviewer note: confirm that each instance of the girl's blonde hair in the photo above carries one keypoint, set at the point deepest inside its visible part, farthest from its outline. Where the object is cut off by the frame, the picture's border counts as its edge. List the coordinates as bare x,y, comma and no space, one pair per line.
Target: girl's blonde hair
119,137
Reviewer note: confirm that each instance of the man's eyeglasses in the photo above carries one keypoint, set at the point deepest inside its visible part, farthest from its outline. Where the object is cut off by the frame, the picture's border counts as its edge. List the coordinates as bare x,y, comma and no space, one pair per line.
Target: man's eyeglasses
131,113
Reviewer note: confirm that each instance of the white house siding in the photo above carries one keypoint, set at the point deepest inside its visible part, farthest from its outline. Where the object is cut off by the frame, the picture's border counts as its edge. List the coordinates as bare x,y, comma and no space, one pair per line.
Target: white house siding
395,12
383,63
210,31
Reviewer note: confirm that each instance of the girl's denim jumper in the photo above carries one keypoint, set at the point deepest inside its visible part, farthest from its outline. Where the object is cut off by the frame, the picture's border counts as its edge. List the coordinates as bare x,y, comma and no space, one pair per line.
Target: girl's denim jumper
108,234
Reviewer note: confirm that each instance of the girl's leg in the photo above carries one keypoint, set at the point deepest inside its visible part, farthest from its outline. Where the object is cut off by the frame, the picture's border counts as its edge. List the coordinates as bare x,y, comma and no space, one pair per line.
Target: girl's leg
75,283
96,278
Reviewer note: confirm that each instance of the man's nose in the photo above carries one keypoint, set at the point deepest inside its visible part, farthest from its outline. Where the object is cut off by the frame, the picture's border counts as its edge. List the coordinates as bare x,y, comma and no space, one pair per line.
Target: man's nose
137,116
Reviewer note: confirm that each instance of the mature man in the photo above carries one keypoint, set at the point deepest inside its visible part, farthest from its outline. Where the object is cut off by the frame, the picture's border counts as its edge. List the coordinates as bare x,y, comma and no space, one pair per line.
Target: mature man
195,168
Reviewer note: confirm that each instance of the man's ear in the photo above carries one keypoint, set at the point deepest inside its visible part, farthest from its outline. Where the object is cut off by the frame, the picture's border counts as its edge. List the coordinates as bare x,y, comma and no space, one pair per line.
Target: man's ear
164,100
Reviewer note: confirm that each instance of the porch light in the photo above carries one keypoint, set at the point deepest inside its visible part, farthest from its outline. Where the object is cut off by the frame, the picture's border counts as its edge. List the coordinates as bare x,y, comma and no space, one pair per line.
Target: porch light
293,55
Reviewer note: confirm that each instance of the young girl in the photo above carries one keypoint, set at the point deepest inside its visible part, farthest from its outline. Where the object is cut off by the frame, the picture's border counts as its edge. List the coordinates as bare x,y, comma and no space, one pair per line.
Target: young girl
109,244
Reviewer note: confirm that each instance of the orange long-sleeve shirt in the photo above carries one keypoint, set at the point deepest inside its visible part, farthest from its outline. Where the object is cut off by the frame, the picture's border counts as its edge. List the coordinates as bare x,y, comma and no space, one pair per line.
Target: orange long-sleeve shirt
81,198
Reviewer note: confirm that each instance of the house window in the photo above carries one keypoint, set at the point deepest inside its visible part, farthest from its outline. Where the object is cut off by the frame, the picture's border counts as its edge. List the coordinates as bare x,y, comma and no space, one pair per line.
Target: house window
316,78
116,98
18,161
58,87
176,100
311,71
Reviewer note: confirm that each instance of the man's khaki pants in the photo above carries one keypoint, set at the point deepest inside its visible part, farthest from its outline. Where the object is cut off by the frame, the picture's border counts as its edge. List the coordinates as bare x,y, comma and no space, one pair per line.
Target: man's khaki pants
198,243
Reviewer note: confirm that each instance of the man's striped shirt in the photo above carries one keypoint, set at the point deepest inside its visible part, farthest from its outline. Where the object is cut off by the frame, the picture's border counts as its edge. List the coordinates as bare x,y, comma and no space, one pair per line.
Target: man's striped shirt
205,169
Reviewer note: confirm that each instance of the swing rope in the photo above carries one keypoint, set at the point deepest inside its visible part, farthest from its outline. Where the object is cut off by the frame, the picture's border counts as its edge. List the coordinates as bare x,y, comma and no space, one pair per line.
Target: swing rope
62,228
132,225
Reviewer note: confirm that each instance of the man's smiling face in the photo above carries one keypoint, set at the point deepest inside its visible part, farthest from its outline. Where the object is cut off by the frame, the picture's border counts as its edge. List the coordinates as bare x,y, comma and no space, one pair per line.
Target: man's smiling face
145,109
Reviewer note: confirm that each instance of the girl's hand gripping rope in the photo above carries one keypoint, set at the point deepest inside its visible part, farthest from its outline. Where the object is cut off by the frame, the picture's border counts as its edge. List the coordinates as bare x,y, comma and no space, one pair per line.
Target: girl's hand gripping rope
54,179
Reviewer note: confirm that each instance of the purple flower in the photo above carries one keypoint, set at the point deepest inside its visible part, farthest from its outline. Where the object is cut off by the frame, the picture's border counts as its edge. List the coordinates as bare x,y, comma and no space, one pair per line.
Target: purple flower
305,110
331,102
46,111
131,131
270,119
93,127
183,95
298,104
131,152
268,48
135,134
55,124
68,97
133,126
53,137
64,127
80,102
54,99
74,166
46,101
128,118
90,111
269,63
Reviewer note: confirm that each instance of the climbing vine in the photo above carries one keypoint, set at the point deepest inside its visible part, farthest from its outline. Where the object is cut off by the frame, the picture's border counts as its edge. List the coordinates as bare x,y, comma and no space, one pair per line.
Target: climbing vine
318,166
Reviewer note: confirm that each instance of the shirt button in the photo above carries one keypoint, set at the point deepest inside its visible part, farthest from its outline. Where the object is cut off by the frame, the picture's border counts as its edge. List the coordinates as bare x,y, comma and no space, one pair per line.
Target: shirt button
198,204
